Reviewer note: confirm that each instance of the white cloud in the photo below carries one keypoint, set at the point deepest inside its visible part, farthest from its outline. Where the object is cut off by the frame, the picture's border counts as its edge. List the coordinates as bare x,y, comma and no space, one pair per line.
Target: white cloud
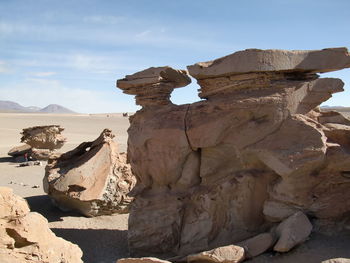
105,19
4,68
42,74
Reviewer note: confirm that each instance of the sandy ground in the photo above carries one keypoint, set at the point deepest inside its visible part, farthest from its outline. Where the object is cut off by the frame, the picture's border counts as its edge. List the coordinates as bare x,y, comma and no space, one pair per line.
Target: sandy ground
104,239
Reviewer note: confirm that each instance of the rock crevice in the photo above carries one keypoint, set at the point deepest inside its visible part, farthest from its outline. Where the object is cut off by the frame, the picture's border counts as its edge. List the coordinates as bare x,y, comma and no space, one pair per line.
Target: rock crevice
255,152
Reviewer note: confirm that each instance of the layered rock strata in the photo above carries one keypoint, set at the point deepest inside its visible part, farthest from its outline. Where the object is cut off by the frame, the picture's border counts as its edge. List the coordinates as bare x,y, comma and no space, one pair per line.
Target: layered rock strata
153,86
256,151
44,137
93,179
25,236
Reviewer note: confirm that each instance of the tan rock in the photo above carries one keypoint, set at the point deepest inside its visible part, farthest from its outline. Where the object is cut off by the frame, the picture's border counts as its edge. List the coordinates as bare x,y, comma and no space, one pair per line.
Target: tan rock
337,260
153,86
11,206
20,150
257,151
95,181
226,254
25,236
292,231
333,117
44,137
257,60
257,245
142,260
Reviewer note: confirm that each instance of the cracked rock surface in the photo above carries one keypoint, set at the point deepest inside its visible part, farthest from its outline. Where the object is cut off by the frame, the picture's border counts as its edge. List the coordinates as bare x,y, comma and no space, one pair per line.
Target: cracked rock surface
25,236
254,152
93,178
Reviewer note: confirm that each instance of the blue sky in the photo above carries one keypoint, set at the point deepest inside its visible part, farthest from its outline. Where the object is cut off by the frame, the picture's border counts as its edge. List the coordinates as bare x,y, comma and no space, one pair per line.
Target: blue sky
71,52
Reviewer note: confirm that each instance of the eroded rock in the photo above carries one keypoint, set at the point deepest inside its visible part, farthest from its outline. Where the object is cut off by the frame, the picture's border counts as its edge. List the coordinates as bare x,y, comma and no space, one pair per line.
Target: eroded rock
153,86
25,236
257,245
292,231
142,260
44,137
93,179
256,151
226,254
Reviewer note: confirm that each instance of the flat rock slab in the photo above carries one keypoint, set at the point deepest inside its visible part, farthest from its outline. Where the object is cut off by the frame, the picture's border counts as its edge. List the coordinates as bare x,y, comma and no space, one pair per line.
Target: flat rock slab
257,60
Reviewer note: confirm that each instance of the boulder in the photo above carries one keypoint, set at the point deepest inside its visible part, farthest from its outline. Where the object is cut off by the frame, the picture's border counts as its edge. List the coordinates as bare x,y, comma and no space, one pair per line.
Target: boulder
226,254
254,152
337,260
20,150
292,231
44,137
257,245
26,237
93,178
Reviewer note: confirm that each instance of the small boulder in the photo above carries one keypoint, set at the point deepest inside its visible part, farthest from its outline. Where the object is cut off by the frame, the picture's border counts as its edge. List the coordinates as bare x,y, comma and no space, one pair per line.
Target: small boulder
20,150
226,254
337,260
257,245
292,231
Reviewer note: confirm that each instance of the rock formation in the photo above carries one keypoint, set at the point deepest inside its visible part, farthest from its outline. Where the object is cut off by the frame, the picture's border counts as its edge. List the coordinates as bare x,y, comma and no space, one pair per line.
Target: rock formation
93,179
256,151
25,236
40,143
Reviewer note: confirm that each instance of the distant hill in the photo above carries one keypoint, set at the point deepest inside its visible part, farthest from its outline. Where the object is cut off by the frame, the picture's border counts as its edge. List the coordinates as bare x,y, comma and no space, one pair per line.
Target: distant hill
11,106
335,108
55,108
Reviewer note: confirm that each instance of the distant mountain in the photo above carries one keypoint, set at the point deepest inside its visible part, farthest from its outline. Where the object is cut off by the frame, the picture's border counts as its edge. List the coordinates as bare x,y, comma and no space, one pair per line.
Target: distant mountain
10,106
335,108
55,108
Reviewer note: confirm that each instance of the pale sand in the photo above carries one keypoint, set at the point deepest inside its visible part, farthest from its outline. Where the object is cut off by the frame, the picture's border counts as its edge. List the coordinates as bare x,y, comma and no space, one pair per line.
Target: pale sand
104,239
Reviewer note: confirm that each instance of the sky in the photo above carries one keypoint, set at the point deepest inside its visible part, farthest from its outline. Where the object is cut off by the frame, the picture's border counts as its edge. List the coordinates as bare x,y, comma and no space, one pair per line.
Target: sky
71,52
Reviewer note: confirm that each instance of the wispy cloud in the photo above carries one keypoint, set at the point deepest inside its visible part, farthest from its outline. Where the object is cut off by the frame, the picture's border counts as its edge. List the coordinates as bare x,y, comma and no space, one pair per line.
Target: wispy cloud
105,19
42,74
4,68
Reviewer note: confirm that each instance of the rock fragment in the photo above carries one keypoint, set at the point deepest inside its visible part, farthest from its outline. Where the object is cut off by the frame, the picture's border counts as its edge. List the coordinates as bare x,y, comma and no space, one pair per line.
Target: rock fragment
25,236
226,254
292,231
257,245
142,260
93,178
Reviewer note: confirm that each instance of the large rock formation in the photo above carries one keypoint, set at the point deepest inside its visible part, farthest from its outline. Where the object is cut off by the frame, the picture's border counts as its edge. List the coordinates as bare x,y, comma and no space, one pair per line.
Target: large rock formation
252,154
25,236
93,179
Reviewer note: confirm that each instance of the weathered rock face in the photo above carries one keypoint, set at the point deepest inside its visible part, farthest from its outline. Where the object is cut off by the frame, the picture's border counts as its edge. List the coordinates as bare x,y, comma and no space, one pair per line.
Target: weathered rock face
255,152
93,179
25,236
153,86
44,137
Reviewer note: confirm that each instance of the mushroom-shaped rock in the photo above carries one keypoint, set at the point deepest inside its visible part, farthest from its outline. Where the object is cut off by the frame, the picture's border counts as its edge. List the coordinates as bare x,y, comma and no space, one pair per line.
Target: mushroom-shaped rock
26,237
153,86
44,137
93,179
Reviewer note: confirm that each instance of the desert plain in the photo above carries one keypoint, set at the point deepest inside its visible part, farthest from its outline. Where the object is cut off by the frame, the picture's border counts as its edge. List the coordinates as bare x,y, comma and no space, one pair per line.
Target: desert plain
103,239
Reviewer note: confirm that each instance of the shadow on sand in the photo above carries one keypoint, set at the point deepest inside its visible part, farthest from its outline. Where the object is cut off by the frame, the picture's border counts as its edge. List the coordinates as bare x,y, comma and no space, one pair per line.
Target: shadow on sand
7,160
42,205
98,245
